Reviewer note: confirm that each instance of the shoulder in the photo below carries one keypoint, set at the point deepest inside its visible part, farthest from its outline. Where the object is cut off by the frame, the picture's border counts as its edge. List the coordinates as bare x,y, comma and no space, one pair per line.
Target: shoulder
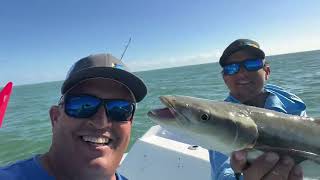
13,171
18,165
24,169
284,101
279,91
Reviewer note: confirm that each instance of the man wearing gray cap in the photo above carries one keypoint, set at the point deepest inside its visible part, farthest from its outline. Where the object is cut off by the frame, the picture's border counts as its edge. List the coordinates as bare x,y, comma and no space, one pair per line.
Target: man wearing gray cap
245,72
91,124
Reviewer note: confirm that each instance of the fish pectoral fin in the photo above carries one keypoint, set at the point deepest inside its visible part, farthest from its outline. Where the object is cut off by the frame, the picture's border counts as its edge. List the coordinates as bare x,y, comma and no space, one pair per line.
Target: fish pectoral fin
298,155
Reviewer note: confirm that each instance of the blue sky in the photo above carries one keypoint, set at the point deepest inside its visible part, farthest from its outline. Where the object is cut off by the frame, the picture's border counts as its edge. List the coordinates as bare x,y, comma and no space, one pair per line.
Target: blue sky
41,39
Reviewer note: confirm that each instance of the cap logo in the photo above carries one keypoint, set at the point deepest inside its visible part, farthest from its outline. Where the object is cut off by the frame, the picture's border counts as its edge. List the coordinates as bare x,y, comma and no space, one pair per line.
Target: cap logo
118,66
253,45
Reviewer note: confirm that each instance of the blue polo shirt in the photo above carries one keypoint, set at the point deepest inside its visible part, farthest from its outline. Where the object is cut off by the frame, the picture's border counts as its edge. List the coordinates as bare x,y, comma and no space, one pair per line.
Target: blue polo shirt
30,169
278,100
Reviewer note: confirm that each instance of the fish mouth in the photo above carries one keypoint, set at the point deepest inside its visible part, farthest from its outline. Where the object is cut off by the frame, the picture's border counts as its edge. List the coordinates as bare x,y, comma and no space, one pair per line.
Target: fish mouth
168,113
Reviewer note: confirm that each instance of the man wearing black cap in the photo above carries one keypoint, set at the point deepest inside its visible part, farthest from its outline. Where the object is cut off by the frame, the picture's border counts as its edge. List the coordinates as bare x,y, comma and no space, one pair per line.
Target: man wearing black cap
245,72
91,125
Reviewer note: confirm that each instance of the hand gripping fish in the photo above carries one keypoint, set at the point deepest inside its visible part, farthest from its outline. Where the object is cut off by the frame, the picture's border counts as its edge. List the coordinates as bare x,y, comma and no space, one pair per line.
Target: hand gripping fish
226,127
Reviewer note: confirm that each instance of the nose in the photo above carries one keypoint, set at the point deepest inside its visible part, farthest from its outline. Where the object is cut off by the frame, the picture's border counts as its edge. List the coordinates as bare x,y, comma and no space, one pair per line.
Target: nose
242,71
100,119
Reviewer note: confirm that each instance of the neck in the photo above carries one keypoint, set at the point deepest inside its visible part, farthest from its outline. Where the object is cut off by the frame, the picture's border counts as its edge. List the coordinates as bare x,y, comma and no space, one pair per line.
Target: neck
257,101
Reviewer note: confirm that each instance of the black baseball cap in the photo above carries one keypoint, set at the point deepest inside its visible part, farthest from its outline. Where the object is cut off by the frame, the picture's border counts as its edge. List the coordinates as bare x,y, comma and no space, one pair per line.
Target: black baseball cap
104,66
240,44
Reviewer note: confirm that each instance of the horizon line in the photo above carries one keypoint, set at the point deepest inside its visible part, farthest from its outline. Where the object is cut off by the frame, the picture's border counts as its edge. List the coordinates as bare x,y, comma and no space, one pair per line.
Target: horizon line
162,68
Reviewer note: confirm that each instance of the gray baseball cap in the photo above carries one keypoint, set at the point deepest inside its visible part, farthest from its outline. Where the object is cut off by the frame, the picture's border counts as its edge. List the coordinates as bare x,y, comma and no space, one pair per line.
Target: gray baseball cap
251,46
104,66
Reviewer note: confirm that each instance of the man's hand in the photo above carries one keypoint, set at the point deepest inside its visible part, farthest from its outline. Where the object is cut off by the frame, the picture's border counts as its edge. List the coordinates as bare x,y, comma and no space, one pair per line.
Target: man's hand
268,166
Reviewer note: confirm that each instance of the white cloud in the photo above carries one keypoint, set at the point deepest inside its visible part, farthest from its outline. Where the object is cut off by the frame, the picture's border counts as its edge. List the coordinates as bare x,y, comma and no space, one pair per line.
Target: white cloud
290,44
201,58
286,48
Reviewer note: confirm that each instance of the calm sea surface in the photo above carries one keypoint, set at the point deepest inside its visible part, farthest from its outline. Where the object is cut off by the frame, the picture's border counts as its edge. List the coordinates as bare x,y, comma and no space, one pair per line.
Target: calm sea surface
27,129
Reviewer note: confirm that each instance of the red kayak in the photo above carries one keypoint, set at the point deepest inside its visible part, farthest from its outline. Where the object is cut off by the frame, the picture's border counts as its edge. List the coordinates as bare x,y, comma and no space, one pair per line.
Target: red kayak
4,99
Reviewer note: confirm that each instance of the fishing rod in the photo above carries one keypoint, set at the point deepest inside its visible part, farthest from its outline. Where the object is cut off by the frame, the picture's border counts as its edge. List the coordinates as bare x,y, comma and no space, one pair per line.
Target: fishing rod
4,99
125,48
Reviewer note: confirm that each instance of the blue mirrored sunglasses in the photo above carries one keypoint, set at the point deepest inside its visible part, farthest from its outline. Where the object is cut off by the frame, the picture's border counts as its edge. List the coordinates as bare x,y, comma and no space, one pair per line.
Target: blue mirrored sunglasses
249,65
85,106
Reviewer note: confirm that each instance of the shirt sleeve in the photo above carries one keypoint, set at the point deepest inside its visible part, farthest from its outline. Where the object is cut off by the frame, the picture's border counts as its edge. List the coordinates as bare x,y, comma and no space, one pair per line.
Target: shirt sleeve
220,166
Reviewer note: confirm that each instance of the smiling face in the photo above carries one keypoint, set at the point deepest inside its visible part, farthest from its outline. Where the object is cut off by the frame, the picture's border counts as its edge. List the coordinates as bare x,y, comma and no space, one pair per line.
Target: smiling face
245,85
89,148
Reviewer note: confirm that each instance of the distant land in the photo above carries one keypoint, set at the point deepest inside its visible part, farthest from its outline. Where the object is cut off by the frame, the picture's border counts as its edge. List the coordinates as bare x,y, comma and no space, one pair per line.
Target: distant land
273,57
267,58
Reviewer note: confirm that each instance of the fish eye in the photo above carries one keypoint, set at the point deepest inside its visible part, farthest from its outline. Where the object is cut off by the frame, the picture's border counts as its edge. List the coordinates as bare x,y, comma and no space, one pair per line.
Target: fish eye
204,117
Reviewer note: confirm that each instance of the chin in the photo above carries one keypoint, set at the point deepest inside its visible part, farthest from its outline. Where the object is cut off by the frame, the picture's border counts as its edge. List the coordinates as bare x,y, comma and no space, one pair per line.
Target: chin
103,165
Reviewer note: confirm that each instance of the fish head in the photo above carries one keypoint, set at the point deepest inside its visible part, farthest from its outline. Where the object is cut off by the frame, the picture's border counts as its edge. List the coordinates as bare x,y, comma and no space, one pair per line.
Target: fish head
207,122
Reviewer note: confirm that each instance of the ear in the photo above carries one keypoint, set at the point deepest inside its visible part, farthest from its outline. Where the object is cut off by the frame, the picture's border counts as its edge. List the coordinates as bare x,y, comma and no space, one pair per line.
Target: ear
54,114
267,71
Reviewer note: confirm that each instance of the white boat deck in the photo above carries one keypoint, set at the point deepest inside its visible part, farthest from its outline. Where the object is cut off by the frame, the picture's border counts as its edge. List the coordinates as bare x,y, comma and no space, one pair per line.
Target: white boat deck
160,155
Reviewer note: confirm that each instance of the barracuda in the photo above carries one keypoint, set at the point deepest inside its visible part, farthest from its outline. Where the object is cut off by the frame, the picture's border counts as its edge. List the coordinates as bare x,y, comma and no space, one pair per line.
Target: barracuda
226,127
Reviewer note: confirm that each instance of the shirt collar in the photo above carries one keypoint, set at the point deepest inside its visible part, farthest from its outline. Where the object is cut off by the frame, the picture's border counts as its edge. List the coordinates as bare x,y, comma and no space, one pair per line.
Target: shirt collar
272,101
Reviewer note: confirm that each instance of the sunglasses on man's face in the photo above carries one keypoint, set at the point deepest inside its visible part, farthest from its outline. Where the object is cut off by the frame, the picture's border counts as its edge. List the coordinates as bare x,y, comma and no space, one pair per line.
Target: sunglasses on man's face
85,106
249,65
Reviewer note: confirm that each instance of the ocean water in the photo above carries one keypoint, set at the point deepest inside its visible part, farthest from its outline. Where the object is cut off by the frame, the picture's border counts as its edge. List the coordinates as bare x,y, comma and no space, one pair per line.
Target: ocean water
27,129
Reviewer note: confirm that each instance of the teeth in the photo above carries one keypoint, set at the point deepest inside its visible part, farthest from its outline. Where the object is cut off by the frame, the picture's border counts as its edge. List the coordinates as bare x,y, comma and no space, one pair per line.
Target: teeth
243,82
98,140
